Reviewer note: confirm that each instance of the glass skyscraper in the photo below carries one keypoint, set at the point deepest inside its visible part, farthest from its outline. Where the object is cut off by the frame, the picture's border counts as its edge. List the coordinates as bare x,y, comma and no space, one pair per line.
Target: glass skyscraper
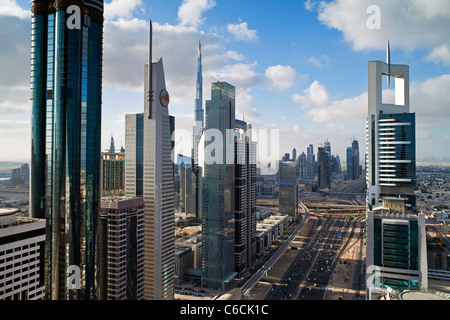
218,194
66,95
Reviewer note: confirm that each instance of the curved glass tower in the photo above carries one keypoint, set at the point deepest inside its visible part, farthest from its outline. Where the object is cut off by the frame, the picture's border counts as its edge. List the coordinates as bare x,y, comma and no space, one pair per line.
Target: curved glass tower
66,95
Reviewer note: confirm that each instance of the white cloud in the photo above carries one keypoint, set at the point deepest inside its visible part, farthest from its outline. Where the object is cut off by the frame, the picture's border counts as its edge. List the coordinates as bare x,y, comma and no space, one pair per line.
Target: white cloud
10,8
241,31
440,55
411,25
121,8
190,12
320,62
281,77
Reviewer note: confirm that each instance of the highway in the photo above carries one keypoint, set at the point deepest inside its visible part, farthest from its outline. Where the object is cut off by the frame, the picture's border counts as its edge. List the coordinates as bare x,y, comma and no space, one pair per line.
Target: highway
309,273
259,274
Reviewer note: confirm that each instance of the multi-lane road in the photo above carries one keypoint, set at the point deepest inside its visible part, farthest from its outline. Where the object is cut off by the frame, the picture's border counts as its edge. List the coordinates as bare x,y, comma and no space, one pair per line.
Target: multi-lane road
310,271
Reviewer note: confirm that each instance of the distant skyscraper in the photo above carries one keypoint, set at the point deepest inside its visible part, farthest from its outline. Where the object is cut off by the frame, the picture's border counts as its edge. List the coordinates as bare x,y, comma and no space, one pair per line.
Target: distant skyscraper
112,147
294,154
302,166
288,188
66,99
311,161
197,135
349,174
149,173
199,113
327,147
324,168
218,198
355,159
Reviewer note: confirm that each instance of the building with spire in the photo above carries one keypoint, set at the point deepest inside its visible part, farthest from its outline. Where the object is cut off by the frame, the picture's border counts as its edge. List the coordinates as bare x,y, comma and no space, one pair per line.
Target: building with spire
396,238
197,135
149,173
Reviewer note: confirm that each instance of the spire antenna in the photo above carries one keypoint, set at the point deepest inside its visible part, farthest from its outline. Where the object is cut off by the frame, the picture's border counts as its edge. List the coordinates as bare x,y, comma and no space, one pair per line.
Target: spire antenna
388,58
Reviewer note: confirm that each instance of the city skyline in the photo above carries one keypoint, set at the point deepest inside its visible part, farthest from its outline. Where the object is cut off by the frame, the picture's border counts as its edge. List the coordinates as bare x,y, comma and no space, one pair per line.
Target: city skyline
309,83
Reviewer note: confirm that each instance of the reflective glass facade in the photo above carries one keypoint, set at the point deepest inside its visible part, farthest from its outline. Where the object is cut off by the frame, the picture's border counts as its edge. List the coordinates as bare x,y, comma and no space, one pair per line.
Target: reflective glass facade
218,194
66,91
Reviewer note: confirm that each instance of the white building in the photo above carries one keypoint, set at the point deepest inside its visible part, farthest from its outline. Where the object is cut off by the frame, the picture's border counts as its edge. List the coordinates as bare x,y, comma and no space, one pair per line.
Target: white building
390,136
149,173
22,242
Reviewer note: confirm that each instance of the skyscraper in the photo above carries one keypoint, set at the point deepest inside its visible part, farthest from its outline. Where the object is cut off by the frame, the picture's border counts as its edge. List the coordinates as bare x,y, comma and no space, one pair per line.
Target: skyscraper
391,141
349,174
121,248
197,135
218,198
149,173
245,197
355,159
396,242
311,161
324,168
302,166
288,188
66,99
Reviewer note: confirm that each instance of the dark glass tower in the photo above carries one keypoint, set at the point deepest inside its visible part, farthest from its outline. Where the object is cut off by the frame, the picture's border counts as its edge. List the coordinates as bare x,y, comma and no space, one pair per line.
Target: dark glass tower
66,98
218,184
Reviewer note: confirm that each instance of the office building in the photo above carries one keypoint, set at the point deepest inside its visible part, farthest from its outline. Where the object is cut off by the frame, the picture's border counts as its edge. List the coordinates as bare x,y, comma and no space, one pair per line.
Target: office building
396,245
218,194
355,159
22,250
149,173
112,172
245,197
353,167
121,248
66,100
349,173
188,191
391,141
324,168
302,166
311,161
197,136
396,242
288,188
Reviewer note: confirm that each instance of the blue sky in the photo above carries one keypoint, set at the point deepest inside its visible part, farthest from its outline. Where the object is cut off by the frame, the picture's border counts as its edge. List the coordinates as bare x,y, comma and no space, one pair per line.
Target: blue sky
299,66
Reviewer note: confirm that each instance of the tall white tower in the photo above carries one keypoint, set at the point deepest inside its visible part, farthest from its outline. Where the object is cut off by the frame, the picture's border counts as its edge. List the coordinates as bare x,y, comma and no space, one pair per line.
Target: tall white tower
390,136
149,174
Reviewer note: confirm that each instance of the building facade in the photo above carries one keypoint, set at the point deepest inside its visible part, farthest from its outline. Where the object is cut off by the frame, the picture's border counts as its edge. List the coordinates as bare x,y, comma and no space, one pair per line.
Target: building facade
391,144
396,242
149,173
288,188
22,250
66,99
121,248
218,194
245,197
